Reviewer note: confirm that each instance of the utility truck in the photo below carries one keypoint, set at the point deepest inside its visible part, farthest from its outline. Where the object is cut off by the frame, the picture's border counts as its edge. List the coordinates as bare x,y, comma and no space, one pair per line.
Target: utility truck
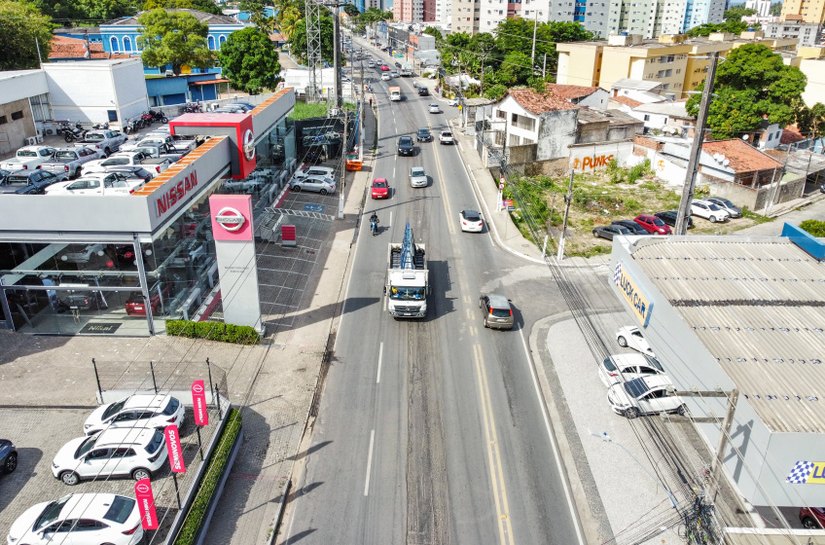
395,93
407,284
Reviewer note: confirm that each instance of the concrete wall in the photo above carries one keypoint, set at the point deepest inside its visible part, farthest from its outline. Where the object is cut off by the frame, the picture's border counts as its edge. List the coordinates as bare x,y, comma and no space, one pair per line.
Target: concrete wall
591,157
13,132
557,132
814,70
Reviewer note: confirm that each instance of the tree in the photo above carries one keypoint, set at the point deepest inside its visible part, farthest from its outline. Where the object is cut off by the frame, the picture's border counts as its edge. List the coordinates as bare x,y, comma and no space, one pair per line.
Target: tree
249,60
206,6
811,120
515,69
351,10
776,9
495,92
298,40
105,9
174,37
288,15
732,27
752,84
22,27
735,13
434,32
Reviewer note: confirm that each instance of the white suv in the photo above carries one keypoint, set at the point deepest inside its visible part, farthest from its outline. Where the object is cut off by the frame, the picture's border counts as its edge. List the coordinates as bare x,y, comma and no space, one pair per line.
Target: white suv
708,210
316,184
446,137
119,452
144,410
313,171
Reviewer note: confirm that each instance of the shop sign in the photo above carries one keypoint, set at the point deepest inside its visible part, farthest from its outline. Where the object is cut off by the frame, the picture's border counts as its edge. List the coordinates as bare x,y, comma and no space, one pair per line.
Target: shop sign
639,302
805,472
249,145
176,193
146,504
100,328
230,219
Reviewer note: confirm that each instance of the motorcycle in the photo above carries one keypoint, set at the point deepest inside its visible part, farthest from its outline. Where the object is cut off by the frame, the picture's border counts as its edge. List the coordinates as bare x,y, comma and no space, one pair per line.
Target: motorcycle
100,126
190,108
133,125
147,119
70,133
157,115
374,226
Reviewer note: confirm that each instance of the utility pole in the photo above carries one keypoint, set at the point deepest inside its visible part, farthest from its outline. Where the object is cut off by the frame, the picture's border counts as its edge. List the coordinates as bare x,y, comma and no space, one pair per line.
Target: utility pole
567,200
683,215
533,53
363,118
336,54
544,67
342,189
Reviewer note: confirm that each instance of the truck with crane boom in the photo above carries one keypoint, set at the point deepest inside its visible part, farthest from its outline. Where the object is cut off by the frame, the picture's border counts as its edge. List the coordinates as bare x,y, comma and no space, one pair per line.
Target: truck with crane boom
407,283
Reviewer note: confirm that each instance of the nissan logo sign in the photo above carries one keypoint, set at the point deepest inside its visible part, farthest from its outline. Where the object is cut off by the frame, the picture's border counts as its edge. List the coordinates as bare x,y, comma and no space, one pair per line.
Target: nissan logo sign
249,145
230,219
197,388
142,488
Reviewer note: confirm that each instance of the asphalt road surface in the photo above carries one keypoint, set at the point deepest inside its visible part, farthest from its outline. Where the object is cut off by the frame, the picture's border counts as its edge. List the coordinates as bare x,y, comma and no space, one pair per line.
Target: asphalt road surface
432,431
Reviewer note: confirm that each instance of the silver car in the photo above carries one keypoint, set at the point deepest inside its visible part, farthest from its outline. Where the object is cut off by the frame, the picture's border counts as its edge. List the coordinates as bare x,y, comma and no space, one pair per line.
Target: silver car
315,184
418,177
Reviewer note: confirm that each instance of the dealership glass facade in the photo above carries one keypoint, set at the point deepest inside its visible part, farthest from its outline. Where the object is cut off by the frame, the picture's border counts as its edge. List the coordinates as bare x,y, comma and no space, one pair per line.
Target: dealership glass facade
97,287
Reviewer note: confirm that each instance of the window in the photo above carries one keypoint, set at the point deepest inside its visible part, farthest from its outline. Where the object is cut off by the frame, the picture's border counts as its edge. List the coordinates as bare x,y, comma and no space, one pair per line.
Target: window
210,42
113,44
647,117
221,40
17,115
127,43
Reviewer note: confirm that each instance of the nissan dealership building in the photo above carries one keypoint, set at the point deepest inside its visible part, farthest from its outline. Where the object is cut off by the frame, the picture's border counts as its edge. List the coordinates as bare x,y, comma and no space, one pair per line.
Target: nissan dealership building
90,264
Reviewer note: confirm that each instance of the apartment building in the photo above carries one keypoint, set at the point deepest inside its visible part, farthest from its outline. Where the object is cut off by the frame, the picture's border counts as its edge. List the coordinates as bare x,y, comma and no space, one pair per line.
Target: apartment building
408,11
805,34
444,12
808,11
761,7
491,12
465,16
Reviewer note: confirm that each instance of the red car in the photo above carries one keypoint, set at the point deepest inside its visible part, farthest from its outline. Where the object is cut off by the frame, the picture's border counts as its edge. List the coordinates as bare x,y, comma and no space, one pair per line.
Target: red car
812,517
135,306
652,224
385,68
380,189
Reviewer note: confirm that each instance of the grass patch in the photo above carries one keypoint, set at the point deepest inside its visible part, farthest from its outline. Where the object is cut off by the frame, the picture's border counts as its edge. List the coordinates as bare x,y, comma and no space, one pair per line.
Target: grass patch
302,110
215,331
217,465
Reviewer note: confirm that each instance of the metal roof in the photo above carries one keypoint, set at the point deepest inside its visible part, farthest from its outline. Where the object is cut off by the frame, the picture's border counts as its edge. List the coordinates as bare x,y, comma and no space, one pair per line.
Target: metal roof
758,306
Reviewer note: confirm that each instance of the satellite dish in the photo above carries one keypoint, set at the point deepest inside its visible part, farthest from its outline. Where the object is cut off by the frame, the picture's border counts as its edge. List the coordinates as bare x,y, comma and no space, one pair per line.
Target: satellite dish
745,137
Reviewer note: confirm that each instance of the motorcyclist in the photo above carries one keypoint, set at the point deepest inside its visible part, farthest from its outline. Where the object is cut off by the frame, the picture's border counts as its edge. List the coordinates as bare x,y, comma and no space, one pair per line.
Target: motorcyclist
374,223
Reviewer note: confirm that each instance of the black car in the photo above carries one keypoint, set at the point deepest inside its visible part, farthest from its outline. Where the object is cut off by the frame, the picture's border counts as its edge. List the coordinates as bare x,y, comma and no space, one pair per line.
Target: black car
8,456
406,146
132,171
423,91
3,175
609,231
424,135
669,217
29,182
632,225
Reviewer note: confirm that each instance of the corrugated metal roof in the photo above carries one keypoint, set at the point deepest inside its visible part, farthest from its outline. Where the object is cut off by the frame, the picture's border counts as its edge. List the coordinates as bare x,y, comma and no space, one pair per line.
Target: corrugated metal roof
758,305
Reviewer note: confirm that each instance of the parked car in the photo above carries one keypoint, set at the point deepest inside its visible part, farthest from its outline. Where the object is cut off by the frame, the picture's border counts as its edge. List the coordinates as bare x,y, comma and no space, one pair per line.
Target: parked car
310,170
649,394
83,254
79,519
708,210
119,452
380,189
30,182
99,183
434,108
732,210
136,172
395,74
418,177
631,225
652,224
315,184
624,367
70,160
812,518
108,141
385,68
406,146
28,158
446,137
143,410
471,221
3,175
609,231
669,217
424,135
135,305
8,456
630,336
496,311
136,157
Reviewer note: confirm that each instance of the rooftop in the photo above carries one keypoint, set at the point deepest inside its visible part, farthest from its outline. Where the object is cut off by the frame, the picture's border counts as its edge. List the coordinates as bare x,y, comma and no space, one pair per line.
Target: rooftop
743,157
201,16
64,47
613,117
672,109
636,84
571,92
627,101
539,103
757,306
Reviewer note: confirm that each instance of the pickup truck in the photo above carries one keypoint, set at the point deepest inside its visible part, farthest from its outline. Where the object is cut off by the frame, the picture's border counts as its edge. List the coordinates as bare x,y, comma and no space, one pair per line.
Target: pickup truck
155,149
28,158
108,141
135,157
70,160
98,183
177,143
30,182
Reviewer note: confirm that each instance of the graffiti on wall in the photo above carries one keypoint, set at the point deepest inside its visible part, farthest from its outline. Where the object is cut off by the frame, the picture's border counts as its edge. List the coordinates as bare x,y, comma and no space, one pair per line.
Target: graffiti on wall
591,162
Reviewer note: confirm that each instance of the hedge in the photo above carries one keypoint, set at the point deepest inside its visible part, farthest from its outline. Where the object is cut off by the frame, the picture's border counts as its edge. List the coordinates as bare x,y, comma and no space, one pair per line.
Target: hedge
188,534
214,331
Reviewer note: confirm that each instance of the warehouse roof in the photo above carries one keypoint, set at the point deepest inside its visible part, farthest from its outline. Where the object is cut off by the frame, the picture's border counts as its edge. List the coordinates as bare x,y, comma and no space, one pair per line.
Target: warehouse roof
758,305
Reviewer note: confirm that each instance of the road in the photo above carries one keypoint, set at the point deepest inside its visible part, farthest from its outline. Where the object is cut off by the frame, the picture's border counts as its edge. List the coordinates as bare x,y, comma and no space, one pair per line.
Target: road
432,432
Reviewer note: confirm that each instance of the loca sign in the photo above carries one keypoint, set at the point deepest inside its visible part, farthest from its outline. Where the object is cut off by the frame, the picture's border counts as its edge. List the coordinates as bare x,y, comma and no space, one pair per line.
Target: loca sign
171,196
199,403
174,449
146,504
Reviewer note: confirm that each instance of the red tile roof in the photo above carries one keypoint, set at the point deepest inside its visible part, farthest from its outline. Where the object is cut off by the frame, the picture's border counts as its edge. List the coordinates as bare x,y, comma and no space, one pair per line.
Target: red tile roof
571,92
743,157
64,47
627,101
790,135
539,103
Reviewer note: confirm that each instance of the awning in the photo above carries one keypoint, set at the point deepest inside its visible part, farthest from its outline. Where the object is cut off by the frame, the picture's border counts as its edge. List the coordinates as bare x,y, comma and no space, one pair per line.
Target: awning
210,81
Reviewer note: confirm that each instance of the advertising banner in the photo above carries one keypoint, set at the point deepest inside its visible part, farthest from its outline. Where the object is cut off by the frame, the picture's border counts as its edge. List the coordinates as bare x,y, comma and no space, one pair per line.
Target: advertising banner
174,449
146,504
199,403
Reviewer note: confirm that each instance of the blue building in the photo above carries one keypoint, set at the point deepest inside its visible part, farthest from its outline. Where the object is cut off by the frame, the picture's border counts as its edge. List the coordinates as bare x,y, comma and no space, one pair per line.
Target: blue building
121,35
183,88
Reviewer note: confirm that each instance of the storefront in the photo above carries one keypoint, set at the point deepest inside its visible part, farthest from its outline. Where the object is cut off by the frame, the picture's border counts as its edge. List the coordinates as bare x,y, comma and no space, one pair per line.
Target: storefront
122,264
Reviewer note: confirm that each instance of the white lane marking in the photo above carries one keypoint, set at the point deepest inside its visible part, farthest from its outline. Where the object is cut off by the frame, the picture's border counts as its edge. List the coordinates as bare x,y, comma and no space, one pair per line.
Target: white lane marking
369,464
380,358
545,416
390,225
393,172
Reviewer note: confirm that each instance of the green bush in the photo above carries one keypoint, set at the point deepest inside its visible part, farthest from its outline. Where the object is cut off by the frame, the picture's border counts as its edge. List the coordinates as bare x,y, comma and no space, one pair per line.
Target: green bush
815,228
217,464
215,331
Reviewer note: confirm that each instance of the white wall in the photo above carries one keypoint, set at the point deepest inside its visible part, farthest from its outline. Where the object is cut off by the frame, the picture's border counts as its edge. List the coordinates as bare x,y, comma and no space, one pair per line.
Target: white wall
814,70
86,90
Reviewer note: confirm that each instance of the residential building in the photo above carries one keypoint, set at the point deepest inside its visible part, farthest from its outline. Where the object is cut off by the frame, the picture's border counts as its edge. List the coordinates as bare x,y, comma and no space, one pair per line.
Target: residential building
664,117
492,12
814,70
761,7
806,34
121,35
809,11
443,11
644,92
465,16
408,11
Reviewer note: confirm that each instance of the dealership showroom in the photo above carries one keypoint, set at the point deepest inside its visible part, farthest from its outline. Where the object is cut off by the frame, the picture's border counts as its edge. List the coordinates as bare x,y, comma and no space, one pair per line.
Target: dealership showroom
92,264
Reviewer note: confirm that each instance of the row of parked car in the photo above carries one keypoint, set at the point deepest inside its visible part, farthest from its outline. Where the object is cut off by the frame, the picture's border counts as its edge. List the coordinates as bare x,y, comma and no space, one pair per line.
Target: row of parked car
121,439
713,209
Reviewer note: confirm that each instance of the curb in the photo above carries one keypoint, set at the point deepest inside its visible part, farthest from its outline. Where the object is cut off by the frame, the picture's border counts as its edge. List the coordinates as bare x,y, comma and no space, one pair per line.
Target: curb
213,504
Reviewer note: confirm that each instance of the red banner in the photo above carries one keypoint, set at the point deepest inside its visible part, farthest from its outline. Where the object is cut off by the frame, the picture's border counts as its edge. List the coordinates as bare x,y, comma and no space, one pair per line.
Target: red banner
174,449
146,504
199,403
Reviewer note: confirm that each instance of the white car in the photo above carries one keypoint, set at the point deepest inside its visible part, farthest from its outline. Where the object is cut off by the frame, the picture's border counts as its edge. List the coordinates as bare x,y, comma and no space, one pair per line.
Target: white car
630,336
98,183
434,108
624,367
418,177
446,137
644,395
79,519
327,172
385,76
453,102
708,210
116,452
144,410
471,221
28,158
726,205
316,184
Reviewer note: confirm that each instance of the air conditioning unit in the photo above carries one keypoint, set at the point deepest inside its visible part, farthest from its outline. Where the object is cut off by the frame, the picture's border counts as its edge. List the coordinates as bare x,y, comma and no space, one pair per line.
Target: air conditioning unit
31,141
